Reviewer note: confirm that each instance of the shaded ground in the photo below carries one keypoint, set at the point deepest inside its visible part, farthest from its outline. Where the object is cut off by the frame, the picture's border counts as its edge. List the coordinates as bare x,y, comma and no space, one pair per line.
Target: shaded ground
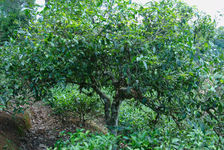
45,128
11,128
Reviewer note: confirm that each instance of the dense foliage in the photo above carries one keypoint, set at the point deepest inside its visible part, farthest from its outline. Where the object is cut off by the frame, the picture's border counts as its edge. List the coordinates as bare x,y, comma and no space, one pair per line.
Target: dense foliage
138,134
160,55
219,40
68,99
13,15
139,128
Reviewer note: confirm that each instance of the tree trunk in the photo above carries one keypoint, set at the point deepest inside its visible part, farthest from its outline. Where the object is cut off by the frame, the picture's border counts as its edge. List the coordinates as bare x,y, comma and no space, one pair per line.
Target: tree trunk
113,122
107,111
111,110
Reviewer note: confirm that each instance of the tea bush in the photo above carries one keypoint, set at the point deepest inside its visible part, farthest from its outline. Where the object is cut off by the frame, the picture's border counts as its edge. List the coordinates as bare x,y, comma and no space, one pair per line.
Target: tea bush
137,133
70,99
13,94
157,139
135,116
84,140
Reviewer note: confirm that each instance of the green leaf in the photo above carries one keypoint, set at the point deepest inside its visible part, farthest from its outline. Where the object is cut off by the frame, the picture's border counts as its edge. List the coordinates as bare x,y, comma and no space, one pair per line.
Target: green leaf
145,65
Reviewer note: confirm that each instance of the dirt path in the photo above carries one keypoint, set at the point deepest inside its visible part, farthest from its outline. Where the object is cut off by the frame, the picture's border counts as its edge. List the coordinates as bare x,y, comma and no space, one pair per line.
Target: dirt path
44,128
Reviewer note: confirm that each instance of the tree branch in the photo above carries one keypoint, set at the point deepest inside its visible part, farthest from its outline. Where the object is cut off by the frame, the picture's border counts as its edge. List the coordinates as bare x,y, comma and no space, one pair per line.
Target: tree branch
111,76
101,94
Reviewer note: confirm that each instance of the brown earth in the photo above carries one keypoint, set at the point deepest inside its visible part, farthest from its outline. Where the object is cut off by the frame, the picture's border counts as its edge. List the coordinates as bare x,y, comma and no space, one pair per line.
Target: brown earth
39,128
11,128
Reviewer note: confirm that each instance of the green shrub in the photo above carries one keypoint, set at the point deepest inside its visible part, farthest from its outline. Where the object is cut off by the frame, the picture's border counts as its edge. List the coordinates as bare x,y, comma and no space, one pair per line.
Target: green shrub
84,140
13,94
69,99
157,139
134,116
138,132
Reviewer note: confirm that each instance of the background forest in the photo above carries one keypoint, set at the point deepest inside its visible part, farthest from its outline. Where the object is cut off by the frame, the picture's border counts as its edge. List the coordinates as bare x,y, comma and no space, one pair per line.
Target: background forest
153,72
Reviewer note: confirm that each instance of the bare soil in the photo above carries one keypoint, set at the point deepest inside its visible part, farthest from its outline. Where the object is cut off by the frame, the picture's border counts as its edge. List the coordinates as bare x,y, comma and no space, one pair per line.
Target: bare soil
11,127
41,130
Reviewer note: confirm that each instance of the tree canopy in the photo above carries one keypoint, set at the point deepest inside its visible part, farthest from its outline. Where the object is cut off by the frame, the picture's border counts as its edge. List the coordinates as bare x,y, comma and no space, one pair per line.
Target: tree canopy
13,15
219,40
156,54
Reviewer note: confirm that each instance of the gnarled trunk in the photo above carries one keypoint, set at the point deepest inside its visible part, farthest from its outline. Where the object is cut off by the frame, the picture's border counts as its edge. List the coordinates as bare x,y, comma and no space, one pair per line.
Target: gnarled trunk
113,118
111,110
107,111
